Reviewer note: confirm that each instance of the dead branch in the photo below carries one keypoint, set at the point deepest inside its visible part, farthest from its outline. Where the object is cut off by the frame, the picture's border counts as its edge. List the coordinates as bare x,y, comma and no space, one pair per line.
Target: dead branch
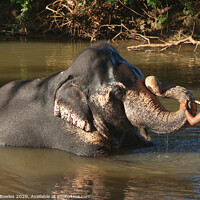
126,32
130,9
135,34
166,45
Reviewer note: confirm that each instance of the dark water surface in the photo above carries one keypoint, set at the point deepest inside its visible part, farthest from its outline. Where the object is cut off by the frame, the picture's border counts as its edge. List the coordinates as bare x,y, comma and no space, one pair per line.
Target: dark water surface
169,170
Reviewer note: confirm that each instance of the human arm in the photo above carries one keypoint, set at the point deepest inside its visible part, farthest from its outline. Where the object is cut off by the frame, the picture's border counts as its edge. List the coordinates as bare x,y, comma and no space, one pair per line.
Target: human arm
192,120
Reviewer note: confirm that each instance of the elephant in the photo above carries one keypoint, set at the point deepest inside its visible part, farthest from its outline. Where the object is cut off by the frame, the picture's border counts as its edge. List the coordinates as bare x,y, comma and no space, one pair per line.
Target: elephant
97,106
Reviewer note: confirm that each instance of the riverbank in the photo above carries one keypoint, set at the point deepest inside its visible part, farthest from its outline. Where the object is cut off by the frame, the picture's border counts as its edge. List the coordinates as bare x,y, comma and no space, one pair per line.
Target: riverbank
92,20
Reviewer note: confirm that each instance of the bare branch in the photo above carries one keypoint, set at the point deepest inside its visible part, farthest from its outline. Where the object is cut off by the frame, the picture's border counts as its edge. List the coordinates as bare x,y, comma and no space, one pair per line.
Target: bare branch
131,9
164,46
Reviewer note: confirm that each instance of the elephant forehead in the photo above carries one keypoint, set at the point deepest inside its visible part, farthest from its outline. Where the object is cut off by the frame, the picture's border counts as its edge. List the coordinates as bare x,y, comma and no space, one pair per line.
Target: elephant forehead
118,60
137,72
128,74
111,77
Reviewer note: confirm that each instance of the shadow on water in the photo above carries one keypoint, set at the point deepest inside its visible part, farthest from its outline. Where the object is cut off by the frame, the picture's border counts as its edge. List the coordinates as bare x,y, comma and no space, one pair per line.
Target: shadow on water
168,170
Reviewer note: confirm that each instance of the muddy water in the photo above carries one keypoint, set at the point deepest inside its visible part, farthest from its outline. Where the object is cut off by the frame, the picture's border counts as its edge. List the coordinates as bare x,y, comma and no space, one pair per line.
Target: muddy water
169,170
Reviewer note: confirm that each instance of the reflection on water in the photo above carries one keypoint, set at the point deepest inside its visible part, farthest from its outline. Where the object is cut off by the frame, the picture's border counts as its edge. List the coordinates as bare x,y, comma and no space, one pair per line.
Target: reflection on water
155,175
169,170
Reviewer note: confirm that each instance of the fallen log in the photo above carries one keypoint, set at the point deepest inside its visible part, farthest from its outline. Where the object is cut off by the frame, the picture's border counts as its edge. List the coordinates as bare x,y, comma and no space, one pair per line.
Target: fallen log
165,45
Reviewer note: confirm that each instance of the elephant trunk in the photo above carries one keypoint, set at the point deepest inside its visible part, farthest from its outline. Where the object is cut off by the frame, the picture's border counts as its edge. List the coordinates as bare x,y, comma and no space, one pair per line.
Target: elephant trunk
143,109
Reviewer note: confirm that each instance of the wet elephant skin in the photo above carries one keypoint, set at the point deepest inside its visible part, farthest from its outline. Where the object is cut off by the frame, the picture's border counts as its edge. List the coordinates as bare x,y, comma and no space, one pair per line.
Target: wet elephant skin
96,106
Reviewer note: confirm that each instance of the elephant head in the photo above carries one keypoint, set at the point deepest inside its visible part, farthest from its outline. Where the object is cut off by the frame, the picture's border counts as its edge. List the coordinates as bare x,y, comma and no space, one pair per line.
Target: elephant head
107,98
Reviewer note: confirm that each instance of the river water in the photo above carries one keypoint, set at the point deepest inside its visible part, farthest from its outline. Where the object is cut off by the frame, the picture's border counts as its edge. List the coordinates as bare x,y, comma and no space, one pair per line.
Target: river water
169,170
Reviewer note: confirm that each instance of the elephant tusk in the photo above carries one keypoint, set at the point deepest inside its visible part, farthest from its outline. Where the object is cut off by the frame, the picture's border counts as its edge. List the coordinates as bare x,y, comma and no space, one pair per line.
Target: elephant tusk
197,102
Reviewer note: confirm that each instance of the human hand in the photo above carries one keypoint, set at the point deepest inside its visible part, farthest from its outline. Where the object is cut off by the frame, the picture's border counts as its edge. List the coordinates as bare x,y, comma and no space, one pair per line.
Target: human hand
183,105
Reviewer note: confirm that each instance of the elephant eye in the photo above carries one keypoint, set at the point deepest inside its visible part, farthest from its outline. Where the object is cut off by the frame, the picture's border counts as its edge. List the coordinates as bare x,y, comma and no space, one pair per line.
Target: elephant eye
125,75
118,92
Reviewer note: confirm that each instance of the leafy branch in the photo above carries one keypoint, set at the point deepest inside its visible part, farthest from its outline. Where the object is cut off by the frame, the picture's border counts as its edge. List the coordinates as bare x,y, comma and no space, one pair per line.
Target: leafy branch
23,16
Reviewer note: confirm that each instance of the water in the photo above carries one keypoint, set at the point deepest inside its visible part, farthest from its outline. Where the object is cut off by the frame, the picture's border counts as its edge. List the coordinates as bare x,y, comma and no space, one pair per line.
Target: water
169,170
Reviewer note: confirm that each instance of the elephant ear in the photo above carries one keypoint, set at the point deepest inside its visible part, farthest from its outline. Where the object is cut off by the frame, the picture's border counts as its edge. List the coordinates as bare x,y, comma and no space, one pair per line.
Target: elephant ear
71,104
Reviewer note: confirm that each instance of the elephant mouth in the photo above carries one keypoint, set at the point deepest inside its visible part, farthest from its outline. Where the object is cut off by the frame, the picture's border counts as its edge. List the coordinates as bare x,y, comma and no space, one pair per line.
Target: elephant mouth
147,112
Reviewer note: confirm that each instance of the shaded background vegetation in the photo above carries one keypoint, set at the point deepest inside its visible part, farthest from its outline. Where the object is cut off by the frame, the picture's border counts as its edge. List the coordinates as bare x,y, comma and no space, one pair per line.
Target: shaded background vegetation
94,19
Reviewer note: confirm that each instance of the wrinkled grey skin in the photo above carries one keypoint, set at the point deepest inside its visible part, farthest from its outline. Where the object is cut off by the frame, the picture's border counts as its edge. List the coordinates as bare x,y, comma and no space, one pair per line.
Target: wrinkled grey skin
97,105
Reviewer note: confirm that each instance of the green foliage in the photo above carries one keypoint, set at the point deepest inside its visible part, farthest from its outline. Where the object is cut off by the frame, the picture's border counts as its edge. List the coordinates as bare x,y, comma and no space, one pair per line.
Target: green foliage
23,16
108,2
153,3
112,2
84,3
162,20
90,15
115,1
188,8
